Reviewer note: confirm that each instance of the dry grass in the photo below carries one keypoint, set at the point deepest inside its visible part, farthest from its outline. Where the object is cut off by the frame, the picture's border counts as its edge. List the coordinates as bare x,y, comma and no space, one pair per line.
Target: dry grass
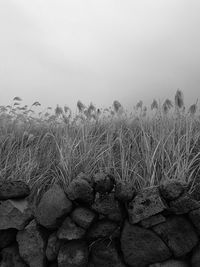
140,148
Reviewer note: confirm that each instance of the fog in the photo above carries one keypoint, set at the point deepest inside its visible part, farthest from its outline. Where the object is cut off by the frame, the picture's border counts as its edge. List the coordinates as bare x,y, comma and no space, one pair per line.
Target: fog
57,52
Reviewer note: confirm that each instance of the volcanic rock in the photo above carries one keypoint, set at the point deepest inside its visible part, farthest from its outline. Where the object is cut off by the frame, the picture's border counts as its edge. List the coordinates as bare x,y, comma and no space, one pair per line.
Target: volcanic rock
32,245
102,229
124,191
73,254
141,246
108,206
171,189
53,246
52,207
13,189
178,233
80,190
11,258
14,214
146,204
103,183
104,253
83,217
70,231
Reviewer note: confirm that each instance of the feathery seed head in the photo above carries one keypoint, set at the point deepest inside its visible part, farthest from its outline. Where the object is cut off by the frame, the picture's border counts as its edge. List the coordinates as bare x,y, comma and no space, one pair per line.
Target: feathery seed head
58,110
193,109
154,105
117,106
17,98
80,106
179,103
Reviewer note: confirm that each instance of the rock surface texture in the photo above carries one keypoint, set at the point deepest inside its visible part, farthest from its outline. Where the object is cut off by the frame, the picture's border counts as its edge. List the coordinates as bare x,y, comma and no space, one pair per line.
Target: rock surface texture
32,245
98,221
141,247
147,203
13,189
53,206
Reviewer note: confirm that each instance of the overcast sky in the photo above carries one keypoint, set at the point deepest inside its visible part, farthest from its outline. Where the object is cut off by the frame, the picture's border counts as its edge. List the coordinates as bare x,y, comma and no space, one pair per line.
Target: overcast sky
60,51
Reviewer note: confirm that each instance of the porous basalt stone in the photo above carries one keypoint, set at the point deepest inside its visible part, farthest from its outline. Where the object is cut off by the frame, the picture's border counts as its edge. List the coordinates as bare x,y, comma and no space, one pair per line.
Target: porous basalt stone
83,217
194,216
73,254
184,204
195,258
153,220
13,189
14,214
178,233
70,231
124,191
103,183
53,246
104,253
11,258
32,245
53,264
141,247
108,206
7,237
102,229
170,263
172,189
85,177
146,204
80,190
53,205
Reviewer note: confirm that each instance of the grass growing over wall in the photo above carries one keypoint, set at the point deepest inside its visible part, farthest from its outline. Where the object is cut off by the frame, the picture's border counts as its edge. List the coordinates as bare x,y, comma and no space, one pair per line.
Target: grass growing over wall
145,148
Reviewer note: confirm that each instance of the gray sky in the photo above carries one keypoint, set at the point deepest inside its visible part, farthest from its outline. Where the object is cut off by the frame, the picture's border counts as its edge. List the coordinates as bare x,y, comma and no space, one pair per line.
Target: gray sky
60,51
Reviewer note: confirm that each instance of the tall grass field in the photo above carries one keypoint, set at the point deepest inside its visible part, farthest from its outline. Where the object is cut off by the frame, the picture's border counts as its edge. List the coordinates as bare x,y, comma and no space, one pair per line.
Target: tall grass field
144,147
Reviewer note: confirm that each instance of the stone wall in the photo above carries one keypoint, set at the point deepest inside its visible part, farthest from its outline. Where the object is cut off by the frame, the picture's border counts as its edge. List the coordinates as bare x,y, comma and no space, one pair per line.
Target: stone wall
99,222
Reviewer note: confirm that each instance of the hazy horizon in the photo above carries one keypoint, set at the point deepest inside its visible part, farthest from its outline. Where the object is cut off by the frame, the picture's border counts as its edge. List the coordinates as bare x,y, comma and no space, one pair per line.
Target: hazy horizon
59,52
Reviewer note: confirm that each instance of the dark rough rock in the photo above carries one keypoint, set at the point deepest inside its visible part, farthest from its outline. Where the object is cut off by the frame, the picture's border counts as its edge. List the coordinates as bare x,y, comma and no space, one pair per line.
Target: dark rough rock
104,254
172,189
32,245
70,231
178,233
195,259
124,191
103,183
53,246
13,189
102,229
53,264
14,214
170,263
147,203
83,217
194,216
79,189
183,204
153,220
141,246
73,254
85,177
7,237
53,205
11,258
108,206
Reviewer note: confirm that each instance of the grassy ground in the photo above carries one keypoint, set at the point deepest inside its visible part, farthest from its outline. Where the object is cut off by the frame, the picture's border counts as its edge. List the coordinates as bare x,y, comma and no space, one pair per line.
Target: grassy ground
145,148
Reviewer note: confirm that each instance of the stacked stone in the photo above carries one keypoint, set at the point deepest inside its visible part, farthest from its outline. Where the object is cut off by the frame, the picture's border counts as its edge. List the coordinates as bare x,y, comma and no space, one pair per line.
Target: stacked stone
98,222
15,214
